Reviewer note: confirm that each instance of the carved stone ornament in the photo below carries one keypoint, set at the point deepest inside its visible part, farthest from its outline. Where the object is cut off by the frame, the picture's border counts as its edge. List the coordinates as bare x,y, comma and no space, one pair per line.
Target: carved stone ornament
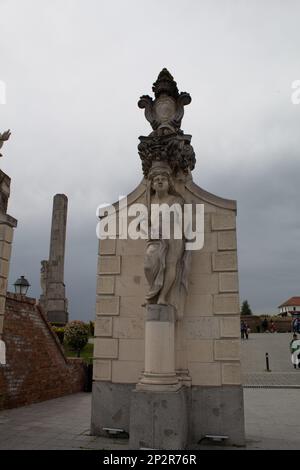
4,192
3,137
167,142
44,276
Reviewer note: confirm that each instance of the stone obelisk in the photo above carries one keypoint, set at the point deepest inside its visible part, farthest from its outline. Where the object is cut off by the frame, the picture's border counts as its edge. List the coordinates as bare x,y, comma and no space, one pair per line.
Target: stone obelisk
54,297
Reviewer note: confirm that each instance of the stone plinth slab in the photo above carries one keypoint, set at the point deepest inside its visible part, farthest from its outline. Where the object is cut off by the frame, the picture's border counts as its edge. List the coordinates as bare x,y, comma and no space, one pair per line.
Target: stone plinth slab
127,371
5,250
106,348
102,370
222,413
230,327
6,233
225,261
106,285
231,374
226,304
227,349
110,407
225,221
108,305
159,420
103,326
227,240
107,246
205,373
109,265
228,282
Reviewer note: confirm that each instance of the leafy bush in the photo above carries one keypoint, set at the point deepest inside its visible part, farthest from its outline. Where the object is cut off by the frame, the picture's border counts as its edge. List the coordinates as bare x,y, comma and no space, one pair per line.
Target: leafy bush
60,333
76,335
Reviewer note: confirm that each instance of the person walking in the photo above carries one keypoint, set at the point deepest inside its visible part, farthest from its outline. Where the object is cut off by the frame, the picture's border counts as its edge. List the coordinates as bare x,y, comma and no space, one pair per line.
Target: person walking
296,325
295,351
265,324
243,329
247,332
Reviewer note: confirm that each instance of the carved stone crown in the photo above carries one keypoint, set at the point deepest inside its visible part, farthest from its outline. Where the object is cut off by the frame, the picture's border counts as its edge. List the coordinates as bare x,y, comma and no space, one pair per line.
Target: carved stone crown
167,142
159,167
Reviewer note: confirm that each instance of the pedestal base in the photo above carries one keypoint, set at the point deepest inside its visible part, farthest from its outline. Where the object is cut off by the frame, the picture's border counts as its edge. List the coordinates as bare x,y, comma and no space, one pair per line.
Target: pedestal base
159,420
169,420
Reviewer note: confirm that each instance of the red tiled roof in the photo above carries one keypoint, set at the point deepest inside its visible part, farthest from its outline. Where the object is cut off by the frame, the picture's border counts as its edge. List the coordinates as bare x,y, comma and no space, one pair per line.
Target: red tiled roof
292,302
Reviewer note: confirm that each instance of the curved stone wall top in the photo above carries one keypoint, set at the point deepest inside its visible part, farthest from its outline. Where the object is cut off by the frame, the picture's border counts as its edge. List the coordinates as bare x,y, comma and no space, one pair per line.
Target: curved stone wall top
205,196
134,195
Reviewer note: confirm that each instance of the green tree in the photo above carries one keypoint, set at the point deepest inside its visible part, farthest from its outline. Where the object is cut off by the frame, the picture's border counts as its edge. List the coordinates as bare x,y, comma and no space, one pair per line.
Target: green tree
246,310
91,328
76,335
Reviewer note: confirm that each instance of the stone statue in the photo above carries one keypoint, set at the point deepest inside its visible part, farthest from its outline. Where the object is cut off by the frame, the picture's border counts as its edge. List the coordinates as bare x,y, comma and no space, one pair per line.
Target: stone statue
44,276
166,261
4,192
4,179
3,137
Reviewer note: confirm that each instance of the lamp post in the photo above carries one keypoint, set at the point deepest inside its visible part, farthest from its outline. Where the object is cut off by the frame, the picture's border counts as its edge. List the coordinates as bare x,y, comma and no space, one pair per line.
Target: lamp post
21,285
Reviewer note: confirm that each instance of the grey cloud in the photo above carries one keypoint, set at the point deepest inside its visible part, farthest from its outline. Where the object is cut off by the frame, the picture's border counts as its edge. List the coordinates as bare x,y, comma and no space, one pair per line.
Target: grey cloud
74,72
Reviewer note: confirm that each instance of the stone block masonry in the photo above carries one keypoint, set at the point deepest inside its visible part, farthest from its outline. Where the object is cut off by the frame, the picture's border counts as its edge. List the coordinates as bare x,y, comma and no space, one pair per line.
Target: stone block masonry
7,225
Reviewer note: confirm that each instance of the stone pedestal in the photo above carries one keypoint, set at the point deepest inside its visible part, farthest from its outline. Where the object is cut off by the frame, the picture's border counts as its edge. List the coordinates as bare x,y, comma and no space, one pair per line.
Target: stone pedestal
188,384
159,374
159,420
158,412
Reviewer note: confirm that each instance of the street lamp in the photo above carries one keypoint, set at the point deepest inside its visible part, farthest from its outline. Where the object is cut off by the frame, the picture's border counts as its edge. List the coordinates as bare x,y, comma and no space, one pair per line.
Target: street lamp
21,286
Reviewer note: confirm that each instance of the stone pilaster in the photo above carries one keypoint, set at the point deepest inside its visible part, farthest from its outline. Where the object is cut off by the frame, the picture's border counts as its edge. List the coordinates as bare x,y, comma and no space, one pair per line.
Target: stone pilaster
7,225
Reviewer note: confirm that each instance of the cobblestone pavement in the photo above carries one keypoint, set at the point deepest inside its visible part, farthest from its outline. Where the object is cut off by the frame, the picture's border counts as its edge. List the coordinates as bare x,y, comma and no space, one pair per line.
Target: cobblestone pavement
254,371
62,423
272,379
275,344
272,420
272,411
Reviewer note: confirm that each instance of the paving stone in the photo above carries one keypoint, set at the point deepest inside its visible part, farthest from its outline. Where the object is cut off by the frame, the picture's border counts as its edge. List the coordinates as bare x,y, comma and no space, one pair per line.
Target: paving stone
272,412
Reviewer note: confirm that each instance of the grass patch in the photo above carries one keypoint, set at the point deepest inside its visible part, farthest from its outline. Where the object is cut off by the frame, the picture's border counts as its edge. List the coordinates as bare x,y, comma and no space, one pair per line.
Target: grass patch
86,353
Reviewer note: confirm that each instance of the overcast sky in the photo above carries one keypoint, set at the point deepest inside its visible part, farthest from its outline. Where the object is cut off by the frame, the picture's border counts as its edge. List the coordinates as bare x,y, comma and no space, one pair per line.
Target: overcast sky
74,70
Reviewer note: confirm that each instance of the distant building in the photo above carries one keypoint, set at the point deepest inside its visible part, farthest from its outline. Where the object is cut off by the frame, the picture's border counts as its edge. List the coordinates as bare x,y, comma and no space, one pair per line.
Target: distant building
290,307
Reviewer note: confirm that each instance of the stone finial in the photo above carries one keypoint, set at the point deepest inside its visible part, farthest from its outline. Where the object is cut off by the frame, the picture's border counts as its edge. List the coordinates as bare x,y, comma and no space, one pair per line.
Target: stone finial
165,83
167,142
166,110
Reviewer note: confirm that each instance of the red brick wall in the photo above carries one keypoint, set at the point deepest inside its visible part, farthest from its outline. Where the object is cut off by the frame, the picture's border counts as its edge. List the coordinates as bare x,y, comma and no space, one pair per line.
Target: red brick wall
36,368
282,325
